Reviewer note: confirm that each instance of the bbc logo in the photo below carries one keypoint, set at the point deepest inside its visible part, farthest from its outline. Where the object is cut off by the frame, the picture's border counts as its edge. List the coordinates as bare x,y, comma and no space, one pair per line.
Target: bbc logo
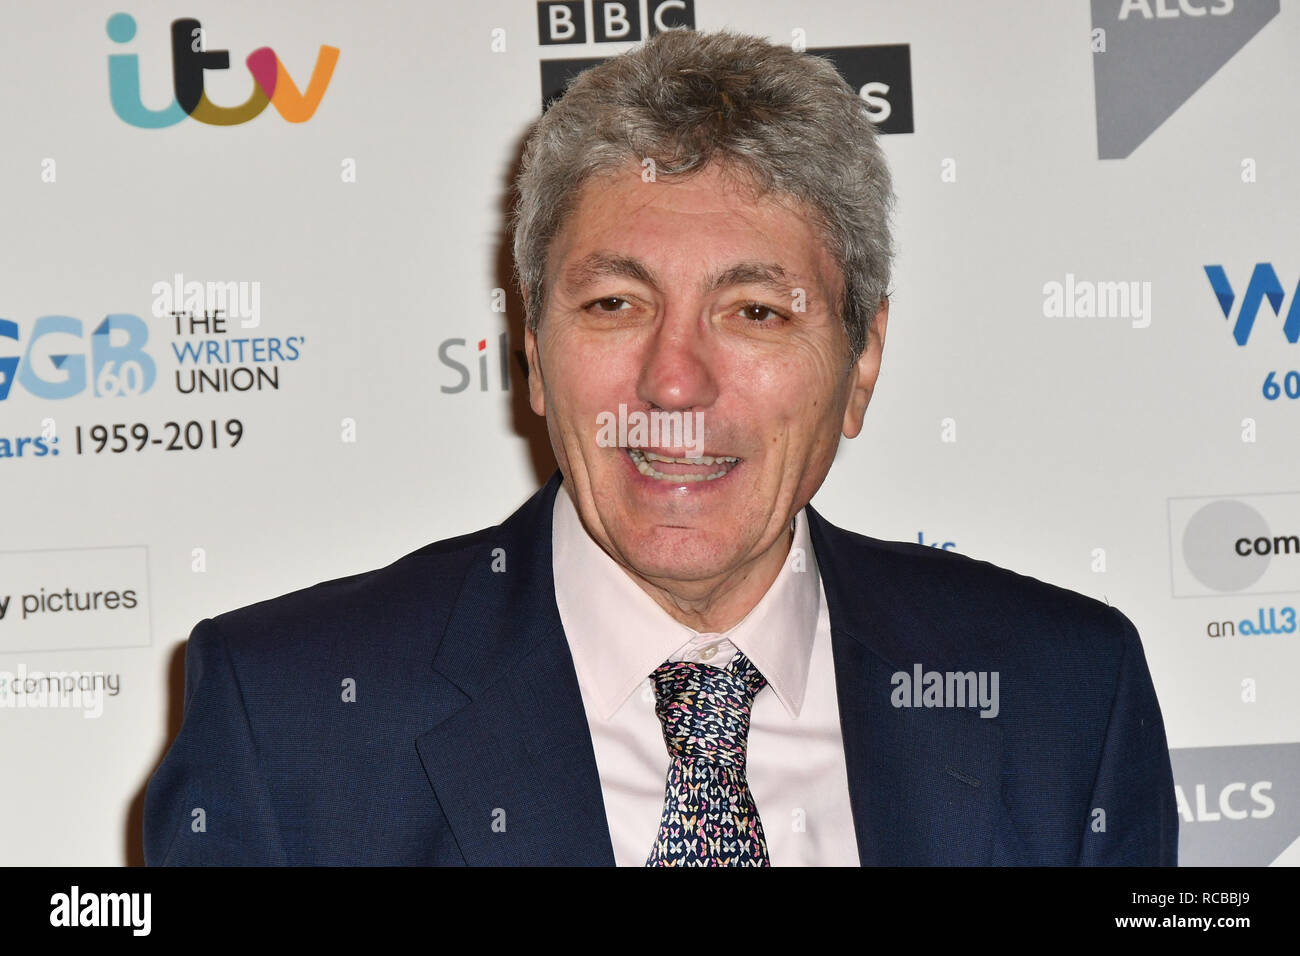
612,21
881,74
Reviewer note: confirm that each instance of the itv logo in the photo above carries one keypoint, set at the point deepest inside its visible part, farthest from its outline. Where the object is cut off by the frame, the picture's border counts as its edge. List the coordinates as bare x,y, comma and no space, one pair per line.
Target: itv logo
272,84
1263,285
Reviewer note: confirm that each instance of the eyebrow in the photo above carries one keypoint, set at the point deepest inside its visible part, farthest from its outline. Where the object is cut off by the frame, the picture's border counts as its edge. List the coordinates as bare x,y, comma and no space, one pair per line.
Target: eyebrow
601,265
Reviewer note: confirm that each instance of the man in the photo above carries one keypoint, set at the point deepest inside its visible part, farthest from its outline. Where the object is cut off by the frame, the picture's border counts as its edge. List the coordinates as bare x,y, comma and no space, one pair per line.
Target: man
667,657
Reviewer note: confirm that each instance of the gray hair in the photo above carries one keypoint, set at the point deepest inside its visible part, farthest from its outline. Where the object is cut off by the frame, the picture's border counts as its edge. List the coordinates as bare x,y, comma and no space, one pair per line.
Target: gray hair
685,99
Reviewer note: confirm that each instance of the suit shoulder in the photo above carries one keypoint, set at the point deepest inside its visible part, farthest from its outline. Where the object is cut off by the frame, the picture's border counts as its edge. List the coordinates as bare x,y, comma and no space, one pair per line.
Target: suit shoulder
415,592
973,576
982,605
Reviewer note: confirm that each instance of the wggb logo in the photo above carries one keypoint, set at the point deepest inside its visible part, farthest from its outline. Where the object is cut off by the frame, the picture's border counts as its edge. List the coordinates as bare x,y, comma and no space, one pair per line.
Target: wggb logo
1264,285
272,84
55,365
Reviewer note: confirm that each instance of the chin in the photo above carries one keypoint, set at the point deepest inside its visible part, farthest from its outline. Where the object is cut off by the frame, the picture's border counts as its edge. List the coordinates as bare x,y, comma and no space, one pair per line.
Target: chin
677,553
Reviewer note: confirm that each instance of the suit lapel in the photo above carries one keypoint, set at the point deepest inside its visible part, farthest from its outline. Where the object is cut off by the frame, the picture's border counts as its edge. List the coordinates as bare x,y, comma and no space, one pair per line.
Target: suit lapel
924,783
510,756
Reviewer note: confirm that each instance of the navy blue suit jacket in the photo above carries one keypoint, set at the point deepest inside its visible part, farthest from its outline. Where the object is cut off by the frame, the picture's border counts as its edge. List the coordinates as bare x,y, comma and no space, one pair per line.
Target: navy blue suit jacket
467,742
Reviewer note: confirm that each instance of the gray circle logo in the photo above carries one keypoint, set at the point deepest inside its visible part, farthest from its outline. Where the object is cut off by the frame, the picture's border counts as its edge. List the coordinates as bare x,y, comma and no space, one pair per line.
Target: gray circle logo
1209,545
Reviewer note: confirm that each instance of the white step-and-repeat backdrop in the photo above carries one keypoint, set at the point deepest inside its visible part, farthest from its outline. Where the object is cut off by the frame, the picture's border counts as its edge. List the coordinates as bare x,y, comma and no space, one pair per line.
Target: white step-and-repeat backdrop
1092,373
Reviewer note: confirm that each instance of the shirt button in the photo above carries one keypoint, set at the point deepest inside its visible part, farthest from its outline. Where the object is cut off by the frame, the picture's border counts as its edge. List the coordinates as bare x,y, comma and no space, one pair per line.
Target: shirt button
709,652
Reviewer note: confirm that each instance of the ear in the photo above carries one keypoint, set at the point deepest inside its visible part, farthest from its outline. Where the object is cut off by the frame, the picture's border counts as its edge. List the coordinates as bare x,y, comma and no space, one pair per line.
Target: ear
536,392
866,371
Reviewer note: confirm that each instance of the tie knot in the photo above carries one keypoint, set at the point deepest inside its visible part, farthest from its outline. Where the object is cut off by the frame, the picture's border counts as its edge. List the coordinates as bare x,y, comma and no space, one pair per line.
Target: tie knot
705,710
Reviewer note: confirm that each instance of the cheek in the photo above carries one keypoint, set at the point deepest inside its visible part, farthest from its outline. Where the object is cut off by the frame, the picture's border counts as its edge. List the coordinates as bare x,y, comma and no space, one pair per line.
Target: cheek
563,376
593,383
574,402
800,389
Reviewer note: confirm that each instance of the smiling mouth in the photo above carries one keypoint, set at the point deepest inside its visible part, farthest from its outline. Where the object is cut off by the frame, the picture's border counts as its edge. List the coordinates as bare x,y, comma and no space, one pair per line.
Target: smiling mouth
663,468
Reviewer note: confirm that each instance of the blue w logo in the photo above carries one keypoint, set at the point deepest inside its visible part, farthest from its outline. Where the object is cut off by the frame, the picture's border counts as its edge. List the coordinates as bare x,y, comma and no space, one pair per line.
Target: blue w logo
1263,284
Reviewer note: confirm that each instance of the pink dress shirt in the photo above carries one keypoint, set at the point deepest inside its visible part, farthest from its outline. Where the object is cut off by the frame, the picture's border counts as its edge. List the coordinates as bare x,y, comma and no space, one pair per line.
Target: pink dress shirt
618,635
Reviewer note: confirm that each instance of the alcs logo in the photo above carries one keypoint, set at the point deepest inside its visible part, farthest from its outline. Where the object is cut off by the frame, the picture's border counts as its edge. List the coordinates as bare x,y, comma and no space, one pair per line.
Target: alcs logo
116,368
1263,285
271,81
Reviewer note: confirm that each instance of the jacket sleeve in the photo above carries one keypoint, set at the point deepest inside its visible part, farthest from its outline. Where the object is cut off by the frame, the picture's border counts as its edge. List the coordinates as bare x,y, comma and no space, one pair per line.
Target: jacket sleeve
1134,787
208,804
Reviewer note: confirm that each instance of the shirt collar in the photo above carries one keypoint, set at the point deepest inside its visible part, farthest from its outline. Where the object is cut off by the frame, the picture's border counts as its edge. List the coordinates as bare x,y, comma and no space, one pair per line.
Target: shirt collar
618,635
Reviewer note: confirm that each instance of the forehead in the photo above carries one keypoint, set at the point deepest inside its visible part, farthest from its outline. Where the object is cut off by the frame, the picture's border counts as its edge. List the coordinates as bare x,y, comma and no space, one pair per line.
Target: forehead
705,222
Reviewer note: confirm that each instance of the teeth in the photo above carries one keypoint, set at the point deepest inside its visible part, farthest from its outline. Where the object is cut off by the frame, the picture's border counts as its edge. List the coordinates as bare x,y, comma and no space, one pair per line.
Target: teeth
642,461
705,460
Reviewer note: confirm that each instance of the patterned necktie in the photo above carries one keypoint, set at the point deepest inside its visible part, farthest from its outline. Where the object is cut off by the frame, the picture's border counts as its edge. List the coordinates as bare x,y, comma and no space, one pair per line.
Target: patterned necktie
709,817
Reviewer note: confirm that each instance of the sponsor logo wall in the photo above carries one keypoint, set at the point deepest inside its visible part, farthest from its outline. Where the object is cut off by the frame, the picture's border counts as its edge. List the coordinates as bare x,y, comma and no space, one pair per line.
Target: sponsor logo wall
257,331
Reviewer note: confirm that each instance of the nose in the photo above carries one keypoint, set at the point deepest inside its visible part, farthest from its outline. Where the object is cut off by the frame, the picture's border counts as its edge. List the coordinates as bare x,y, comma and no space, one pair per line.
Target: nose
677,373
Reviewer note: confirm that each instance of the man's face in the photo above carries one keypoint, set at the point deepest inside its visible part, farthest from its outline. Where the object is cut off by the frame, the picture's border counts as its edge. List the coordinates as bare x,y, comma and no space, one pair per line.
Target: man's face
685,296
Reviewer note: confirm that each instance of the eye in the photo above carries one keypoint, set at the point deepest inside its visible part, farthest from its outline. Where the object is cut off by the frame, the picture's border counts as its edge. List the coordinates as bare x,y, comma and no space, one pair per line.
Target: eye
604,305
759,314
